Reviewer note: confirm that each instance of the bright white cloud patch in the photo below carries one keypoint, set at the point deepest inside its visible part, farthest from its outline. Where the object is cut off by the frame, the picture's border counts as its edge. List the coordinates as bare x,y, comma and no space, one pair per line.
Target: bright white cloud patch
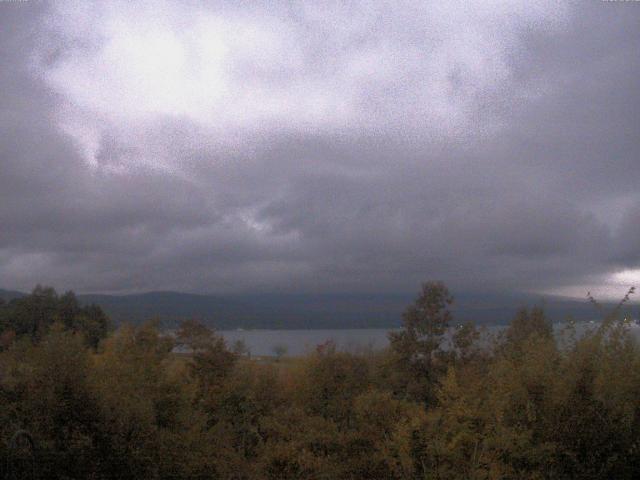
417,68
627,277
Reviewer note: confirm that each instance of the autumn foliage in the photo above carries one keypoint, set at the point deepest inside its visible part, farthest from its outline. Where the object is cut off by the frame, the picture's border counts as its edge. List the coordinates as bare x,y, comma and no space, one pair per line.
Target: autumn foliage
442,402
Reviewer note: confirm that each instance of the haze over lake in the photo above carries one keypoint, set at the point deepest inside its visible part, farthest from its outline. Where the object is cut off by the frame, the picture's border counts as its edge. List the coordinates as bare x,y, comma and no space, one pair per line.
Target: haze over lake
300,342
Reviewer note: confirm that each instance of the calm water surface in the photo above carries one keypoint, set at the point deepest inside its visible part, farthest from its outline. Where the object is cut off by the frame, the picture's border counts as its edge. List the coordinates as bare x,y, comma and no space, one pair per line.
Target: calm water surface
299,342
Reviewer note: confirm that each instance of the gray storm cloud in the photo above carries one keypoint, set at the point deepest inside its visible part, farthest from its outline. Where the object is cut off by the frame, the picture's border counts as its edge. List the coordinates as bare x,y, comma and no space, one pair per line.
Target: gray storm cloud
361,147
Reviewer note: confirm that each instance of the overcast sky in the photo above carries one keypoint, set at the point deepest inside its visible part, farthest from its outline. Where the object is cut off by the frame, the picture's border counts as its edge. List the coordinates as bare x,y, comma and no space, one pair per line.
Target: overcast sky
320,146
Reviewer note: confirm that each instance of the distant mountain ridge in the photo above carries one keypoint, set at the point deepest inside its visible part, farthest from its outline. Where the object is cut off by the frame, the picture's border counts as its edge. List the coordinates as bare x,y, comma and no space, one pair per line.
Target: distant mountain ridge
7,295
289,311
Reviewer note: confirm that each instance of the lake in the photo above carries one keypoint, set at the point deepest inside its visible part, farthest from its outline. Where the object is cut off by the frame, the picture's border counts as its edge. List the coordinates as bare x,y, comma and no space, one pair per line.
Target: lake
300,342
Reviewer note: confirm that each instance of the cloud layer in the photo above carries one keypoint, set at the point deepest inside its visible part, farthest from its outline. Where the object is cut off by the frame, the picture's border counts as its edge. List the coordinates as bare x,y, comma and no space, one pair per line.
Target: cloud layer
299,148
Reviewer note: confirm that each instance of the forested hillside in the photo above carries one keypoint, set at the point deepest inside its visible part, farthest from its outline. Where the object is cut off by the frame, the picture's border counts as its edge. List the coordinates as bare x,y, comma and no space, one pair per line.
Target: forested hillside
306,311
103,404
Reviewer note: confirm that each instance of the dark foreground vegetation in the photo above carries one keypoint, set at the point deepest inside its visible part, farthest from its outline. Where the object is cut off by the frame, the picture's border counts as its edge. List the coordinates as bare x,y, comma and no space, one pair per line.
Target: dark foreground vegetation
528,404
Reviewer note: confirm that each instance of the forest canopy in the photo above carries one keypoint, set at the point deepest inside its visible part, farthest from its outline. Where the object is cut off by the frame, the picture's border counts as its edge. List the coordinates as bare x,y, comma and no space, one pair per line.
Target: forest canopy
443,401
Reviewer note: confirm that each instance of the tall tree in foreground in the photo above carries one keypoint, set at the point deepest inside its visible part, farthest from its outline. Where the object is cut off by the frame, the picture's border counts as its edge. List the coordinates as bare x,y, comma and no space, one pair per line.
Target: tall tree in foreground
417,347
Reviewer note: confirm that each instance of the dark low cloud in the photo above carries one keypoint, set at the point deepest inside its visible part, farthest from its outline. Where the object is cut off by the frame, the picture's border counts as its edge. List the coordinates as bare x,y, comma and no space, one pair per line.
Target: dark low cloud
305,149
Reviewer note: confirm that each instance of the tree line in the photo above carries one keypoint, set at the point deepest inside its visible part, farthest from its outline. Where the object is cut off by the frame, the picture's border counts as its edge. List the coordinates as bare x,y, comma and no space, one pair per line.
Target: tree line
438,403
